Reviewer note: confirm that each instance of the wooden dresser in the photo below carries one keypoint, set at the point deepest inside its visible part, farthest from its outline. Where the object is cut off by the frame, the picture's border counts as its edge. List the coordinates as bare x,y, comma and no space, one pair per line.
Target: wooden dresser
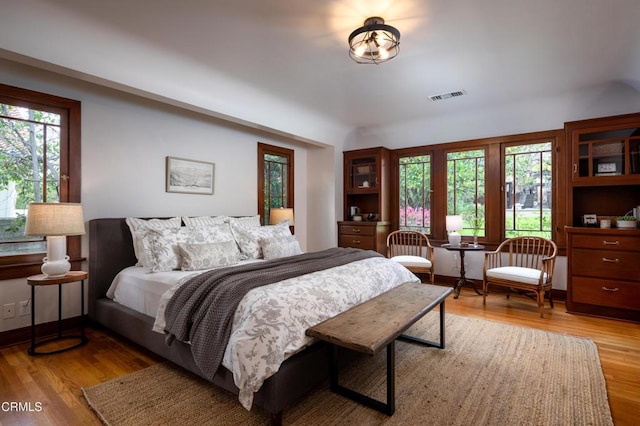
604,272
364,235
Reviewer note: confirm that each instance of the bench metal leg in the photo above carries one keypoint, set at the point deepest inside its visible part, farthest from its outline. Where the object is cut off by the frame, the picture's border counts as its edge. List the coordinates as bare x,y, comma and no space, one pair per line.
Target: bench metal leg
430,343
389,407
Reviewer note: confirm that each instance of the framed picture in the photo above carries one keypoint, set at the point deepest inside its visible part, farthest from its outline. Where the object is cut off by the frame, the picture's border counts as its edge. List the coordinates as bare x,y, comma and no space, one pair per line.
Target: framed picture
589,220
189,176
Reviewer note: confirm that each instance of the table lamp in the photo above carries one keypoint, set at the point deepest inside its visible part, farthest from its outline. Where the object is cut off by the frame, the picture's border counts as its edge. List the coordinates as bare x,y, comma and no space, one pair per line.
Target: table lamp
280,215
55,221
454,224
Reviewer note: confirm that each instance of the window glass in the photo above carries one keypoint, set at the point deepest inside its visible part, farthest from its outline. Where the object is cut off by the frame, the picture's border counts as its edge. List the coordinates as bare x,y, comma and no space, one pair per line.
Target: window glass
415,193
275,183
29,172
527,189
466,189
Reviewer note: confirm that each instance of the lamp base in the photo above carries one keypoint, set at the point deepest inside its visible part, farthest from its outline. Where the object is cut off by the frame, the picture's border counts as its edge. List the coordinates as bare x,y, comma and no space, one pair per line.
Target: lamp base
56,268
454,238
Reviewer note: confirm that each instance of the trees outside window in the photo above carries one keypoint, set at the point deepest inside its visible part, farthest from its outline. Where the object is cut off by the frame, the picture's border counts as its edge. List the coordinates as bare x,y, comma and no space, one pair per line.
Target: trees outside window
466,189
415,193
39,162
275,179
527,187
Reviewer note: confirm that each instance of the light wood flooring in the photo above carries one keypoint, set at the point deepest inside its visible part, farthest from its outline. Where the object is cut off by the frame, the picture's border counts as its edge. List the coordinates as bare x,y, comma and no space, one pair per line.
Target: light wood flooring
54,381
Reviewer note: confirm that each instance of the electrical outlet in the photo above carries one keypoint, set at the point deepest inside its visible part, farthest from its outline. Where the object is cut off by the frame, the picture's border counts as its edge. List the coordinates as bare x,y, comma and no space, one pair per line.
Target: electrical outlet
9,311
25,307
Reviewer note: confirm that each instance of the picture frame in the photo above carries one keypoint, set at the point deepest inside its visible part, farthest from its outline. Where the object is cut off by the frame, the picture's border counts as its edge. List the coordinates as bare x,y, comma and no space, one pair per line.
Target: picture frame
590,220
189,176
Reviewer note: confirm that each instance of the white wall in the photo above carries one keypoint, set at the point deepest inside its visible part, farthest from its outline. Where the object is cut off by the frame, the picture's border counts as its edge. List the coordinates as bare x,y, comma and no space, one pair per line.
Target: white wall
125,140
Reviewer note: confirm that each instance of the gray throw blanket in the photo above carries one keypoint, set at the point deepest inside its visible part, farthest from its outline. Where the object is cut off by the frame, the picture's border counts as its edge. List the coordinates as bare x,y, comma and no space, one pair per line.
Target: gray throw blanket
201,311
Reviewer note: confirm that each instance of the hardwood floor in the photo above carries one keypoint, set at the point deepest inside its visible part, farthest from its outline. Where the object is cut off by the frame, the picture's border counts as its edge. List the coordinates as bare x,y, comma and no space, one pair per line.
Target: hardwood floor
48,387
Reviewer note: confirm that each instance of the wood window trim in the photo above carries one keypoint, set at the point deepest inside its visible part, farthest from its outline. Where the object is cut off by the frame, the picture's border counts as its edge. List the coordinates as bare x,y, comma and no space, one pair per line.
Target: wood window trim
263,149
20,266
493,179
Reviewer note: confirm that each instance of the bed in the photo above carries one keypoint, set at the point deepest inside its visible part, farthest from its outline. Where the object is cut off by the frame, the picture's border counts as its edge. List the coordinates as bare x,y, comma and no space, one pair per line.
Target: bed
111,251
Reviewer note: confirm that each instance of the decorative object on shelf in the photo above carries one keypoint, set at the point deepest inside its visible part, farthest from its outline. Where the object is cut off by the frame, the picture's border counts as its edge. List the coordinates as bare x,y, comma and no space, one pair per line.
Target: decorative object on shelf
605,223
357,218
55,221
454,224
189,176
590,220
374,43
280,215
626,222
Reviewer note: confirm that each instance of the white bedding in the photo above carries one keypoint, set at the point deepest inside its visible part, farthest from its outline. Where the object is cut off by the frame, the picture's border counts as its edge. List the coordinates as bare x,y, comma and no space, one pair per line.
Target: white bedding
270,322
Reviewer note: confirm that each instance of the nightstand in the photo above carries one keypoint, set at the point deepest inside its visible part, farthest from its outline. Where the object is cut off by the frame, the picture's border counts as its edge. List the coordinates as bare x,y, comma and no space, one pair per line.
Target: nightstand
43,280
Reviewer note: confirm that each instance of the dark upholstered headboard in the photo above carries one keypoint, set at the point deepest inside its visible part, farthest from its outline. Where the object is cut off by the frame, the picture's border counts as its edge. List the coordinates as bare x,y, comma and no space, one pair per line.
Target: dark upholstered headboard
110,251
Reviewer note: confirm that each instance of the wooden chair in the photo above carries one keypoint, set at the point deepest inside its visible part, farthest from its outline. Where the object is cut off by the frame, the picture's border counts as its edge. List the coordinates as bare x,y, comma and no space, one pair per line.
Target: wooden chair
412,250
521,263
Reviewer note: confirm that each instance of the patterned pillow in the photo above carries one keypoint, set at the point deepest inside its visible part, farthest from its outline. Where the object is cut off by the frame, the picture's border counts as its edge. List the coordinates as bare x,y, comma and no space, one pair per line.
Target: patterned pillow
161,245
249,239
204,220
279,246
137,228
209,255
244,222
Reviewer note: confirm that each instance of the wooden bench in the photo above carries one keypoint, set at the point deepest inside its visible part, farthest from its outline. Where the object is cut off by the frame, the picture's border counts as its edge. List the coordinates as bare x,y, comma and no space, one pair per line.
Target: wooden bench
376,324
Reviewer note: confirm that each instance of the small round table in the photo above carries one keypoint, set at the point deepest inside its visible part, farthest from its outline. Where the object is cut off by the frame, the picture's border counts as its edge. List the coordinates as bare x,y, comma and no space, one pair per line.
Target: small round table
463,279
70,277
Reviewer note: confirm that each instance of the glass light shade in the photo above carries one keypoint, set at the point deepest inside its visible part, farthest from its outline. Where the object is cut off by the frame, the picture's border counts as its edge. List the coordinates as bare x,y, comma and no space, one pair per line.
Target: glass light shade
280,215
374,42
55,221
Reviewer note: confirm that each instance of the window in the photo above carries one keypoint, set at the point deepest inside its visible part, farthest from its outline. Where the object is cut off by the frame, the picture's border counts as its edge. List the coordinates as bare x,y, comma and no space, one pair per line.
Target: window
275,179
466,189
415,193
527,189
40,162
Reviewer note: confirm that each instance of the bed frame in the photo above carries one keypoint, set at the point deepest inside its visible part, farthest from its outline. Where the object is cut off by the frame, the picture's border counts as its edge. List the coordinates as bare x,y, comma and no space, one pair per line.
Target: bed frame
110,251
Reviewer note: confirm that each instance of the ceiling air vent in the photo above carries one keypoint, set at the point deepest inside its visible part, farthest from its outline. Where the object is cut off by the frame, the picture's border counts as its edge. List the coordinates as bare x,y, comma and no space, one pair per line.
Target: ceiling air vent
444,96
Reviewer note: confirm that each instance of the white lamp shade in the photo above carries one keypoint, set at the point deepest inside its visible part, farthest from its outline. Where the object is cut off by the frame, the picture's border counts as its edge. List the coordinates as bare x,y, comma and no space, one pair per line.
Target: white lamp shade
454,223
280,215
54,219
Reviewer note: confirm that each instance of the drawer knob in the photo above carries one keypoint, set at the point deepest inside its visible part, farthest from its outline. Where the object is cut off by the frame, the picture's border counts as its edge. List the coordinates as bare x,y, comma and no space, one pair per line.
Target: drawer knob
356,230
610,289
607,260
610,243
355,241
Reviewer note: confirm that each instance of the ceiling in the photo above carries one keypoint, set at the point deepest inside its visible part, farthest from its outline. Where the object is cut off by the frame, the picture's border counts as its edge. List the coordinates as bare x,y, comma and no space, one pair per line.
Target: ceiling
497,51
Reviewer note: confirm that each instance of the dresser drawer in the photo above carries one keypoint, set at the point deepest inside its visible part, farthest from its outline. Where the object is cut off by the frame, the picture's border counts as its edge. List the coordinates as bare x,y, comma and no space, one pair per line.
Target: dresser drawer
603,292
608,242
621,265
358,241
357,230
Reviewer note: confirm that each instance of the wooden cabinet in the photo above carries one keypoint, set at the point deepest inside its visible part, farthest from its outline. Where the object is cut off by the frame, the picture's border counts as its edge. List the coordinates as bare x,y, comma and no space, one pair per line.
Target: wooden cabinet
366,189
366,183
364,235
604,166
604,272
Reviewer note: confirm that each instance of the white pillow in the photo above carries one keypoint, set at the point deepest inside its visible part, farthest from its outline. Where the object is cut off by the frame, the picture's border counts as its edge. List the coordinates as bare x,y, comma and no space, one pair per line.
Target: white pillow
244,222
204,220
249,239
138,226
209,255
162,245
279,246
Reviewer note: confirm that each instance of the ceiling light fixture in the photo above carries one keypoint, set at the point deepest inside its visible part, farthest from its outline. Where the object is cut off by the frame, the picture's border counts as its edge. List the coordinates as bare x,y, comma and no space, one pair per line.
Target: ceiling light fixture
374,43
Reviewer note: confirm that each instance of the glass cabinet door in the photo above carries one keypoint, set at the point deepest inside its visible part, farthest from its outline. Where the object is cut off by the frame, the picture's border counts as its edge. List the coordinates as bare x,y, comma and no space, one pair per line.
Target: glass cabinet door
607,153
362,173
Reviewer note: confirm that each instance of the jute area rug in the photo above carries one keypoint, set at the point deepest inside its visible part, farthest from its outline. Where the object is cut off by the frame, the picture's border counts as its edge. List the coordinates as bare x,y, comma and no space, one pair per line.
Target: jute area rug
488,374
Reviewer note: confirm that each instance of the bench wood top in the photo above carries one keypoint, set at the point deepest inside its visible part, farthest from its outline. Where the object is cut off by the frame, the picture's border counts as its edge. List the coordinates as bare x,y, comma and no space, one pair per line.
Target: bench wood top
372,325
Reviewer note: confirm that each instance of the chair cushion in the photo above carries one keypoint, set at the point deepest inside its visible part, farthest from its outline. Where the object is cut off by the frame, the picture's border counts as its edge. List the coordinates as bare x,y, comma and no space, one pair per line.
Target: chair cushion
409,261
516,273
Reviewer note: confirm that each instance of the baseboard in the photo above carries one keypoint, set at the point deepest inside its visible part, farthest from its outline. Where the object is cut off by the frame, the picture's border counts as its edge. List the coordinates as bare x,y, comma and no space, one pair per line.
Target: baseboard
21,335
